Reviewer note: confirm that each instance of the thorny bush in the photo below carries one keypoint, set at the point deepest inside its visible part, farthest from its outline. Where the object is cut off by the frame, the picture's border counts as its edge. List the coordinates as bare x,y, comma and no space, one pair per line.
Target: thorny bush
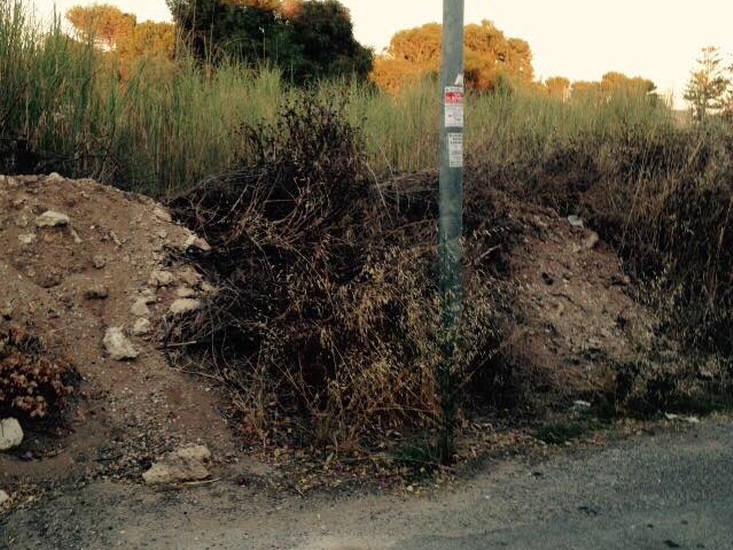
327,316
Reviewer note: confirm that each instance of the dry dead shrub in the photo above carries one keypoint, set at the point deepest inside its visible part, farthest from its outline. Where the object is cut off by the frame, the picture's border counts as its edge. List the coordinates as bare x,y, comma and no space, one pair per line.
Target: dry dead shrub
672,224
327,319
32,383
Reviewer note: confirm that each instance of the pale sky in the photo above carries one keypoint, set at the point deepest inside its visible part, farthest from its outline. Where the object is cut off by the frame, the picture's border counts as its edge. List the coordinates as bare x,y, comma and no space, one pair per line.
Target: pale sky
579,39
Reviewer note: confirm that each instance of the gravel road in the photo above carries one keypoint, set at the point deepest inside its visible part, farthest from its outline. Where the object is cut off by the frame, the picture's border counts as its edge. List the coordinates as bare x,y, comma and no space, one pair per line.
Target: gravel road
669,490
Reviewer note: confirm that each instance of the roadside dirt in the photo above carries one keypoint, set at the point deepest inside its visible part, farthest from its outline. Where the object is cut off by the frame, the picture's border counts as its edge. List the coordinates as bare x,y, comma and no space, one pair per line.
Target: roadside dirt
667,488
126,412
71,282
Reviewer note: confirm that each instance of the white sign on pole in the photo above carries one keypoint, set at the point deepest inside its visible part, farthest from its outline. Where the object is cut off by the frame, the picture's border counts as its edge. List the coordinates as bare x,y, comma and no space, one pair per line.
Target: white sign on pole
455,150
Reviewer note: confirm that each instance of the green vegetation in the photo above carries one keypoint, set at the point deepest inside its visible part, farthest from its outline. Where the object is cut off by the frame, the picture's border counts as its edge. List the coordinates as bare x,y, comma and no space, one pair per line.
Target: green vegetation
657,191
708,89
557,433
305,40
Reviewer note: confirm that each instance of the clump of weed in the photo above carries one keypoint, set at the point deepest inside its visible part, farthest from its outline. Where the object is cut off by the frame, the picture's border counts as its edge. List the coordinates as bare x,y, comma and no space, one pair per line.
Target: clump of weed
33,383
657,384
558,433
418,457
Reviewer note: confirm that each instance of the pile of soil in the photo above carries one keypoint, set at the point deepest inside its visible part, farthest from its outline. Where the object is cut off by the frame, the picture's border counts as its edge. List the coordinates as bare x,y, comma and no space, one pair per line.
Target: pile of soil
67,285
574,319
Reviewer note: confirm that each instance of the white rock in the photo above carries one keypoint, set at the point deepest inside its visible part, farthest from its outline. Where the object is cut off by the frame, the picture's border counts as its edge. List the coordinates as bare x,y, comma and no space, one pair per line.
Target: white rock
6,310
160,278
185,292
189,277
162,214
196,242
200,453
183,464
99,262
141,327
4,497
27,238
576,221
11,434
140,308
77,238
208,288
184,305
591,240
118,346
52,219
54,177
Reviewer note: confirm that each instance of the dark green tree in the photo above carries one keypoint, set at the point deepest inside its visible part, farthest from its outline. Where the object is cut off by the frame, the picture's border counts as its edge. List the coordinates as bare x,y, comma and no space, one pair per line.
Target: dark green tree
323,34
212,30
307,40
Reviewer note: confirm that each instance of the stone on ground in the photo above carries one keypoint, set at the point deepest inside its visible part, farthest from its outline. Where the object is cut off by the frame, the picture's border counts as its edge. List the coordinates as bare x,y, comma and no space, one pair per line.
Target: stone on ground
11,434
118,346
52,219
184,305
183,464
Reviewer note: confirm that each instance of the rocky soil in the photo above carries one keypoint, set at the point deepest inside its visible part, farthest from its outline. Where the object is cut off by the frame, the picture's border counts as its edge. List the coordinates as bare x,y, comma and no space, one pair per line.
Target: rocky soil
88,269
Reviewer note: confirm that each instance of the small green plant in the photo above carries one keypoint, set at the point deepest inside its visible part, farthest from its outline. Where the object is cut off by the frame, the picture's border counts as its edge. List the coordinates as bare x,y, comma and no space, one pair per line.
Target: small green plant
560,432
421,457
657,384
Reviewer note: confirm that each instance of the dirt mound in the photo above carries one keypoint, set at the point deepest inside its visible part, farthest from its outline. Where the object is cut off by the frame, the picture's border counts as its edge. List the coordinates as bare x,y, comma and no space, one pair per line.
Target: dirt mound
575,320
78,258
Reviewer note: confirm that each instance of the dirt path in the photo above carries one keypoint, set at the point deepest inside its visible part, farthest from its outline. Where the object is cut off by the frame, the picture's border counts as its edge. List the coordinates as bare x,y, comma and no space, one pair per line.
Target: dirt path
664,490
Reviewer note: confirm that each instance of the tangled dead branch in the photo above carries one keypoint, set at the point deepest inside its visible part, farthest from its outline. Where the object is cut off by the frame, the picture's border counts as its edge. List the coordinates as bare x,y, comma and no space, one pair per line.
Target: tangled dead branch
327,311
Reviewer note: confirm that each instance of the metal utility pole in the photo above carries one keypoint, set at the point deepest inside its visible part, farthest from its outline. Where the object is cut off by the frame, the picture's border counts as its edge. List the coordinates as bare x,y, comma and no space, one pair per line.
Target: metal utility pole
450,249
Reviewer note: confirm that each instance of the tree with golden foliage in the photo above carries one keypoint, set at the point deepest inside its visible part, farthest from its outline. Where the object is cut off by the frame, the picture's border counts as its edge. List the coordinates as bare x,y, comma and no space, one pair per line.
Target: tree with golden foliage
612,84
107,25
119,34
149,40
491,59
586,90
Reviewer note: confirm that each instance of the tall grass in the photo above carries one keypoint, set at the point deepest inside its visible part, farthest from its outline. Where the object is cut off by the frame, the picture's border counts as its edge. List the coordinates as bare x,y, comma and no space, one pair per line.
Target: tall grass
64,107
165,125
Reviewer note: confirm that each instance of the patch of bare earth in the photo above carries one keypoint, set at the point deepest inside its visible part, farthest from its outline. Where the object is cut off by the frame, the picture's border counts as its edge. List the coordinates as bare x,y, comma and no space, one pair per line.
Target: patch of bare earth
575,318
